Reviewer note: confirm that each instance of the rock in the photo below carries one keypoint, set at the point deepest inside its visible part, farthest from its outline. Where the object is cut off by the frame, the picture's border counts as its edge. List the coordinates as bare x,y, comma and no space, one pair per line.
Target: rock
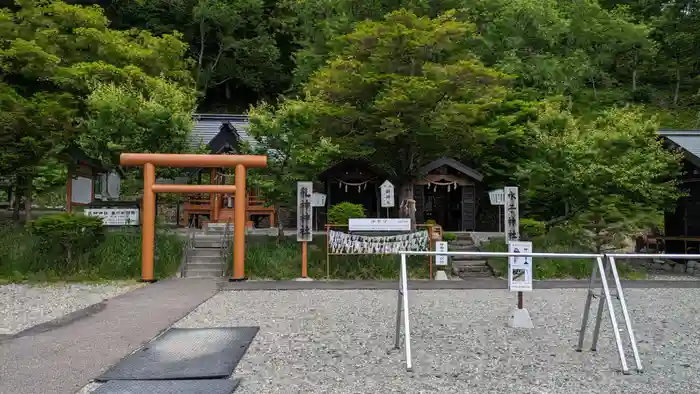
690,270
657,266
692,264
680,268
668,267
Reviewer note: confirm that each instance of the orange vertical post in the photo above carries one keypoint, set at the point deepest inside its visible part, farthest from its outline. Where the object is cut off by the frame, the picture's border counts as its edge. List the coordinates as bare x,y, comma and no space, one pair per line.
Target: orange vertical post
239,219
69,191
304,260
148,223
214,198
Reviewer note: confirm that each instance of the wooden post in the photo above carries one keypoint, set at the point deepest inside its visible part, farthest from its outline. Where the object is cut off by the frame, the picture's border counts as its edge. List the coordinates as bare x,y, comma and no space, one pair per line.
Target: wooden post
304,260
239,219
148,232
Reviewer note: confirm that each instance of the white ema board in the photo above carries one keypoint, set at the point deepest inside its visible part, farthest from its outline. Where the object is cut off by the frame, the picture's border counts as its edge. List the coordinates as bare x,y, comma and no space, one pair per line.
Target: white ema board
304,211
441,259
387,193
520,268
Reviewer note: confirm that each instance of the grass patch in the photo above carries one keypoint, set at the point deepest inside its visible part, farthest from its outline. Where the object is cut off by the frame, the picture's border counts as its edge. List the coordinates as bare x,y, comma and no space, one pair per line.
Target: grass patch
118,257
554,268
268,258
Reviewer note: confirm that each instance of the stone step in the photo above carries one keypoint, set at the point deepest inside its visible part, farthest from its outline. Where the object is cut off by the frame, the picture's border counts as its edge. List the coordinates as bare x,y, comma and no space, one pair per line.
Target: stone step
456,259
461,243
196,265
208,243
205,252
204,259
204,273
469,263
463,236
469,275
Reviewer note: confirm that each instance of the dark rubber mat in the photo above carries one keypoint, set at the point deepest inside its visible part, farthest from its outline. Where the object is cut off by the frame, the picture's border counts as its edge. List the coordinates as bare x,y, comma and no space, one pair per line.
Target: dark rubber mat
218,386
186,353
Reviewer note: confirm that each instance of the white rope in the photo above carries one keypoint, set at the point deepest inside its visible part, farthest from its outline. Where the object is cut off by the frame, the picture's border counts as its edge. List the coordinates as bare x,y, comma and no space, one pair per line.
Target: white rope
451,185
360,185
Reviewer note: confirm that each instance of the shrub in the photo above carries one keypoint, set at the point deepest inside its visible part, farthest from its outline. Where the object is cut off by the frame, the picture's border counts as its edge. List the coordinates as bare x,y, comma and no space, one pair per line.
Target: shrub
531,228
447,236
430,222
71,234
341,213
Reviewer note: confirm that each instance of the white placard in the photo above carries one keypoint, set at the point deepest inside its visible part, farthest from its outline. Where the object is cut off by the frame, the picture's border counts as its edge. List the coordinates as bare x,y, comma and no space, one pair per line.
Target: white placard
379,224
512,214
82,190
305,211
520,268
113,185
115,216
441,259
318,200
497,197
386,190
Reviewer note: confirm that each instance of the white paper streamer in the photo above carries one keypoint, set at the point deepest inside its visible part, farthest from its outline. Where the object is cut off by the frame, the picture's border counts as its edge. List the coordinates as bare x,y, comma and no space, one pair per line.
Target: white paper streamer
339,243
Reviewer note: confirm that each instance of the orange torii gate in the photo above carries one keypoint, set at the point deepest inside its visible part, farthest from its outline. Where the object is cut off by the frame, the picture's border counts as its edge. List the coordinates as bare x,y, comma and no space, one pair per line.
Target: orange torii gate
149,161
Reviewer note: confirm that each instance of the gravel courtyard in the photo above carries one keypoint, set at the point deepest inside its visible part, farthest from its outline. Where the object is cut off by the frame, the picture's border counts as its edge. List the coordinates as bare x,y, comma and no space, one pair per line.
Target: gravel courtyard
24,306
340,342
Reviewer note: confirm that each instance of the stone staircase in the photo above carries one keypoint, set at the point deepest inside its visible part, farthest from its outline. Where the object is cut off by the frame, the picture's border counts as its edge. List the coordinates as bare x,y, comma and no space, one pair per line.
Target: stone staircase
467,267
205,255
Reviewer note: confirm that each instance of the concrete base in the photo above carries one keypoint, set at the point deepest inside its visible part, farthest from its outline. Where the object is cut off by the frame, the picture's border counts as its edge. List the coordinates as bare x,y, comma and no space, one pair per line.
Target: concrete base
521,319
441,275
303,280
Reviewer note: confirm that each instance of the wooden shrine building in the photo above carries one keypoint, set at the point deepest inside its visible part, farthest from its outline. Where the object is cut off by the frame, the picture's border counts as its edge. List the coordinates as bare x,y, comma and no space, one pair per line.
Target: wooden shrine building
682,224
221,134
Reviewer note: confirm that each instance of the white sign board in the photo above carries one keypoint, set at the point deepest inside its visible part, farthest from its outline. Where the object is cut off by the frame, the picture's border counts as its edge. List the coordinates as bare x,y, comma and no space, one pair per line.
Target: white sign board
305,211
512,214
379,224
115,216
520,268
82,190
113,185
387,194
497,197
441,259
318,200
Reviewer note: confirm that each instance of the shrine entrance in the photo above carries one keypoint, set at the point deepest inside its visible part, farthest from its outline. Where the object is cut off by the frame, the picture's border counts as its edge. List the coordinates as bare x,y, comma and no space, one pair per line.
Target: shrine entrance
149,161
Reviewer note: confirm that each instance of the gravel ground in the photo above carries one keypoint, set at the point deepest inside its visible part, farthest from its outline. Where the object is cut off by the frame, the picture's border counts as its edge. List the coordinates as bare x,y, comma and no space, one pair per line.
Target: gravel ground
672,277
340,342
24,306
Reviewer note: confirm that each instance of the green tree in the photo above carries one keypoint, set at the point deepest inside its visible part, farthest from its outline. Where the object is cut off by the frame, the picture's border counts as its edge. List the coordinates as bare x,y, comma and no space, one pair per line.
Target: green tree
404,91
52,56
295,154
604,179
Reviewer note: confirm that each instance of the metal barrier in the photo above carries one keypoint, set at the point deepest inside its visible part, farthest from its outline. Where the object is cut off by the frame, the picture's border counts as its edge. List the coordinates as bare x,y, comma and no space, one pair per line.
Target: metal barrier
603,263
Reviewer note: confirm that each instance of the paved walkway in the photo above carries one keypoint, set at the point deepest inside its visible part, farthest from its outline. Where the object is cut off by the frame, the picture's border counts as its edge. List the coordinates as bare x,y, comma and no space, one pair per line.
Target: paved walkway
484,283
61,357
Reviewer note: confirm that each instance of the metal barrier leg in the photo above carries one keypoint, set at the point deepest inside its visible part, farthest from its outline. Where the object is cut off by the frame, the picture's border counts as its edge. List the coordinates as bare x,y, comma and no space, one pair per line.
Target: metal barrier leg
601,307
587,308
613,320
397,338
625,314
407,329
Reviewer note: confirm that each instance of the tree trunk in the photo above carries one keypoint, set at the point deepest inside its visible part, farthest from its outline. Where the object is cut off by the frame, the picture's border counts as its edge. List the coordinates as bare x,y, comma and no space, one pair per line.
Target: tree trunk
408,204
634,80
678,87
16,203
28,200
280,224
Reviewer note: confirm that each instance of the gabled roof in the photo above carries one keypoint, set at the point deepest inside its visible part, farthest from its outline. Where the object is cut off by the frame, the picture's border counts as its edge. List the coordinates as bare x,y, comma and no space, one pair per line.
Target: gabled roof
446,161
687,140
208,126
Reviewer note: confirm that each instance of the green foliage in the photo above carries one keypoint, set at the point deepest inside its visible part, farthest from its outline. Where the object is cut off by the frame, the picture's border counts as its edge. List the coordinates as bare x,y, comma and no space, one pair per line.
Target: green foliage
448,236
343,212
67,233
53,56
118,256
268,258
604,179
555,241
293,153
531,228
